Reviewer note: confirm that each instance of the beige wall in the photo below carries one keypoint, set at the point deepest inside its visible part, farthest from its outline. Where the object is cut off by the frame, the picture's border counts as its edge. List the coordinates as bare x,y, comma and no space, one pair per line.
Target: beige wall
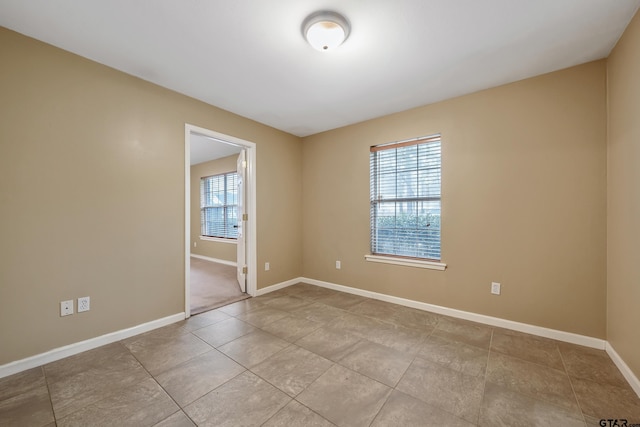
524,203
92,196
211,249
623,197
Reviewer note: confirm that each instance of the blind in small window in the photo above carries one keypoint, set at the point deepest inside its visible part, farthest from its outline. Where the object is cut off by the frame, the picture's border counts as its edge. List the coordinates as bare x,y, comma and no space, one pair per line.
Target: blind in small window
405,198
219,206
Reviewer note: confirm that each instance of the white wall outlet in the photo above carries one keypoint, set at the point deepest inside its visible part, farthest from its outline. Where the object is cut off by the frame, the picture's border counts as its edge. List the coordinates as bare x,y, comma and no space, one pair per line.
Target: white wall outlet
84,304
495,288
195,244
338,265
267,266
66,307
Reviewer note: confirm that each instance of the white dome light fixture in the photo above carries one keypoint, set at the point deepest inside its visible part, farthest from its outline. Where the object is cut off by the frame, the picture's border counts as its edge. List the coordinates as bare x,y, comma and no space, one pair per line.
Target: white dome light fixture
325,30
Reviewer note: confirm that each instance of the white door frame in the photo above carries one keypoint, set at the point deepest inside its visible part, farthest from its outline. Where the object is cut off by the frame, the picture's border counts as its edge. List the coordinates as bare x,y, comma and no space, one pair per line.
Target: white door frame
241,249
251,240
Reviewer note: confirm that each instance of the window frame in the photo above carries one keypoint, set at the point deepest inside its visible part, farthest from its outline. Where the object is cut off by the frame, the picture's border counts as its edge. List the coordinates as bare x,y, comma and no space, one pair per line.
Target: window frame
225,206
376,178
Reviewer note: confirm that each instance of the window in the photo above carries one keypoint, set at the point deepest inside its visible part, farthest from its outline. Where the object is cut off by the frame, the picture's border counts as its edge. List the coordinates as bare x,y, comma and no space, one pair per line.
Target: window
219,206
405,199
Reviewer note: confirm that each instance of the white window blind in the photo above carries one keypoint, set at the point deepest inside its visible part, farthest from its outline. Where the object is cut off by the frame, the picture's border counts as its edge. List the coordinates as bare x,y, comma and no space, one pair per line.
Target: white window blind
219,206
405,198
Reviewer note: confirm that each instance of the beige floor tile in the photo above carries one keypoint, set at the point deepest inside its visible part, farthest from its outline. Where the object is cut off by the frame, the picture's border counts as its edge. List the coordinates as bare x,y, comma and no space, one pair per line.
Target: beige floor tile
157,353
143,404
179,419
292,328
204,319
262,316
225,331
97,358
21,382
319,312
502,407
341,300
288,303
166,332
404,316
30,408
275,294
296,414
361,326
534,349
463,331
80,380
452,391
607,401
537,381
345,397
376,361
404,410
241,307
468,359
292,369
304,290
246,400
592,422
591,364
330,343
400,338
301,286
198,376
253,348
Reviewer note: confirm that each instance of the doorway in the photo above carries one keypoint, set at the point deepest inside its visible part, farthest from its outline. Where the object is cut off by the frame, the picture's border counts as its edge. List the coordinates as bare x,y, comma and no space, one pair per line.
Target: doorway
226,256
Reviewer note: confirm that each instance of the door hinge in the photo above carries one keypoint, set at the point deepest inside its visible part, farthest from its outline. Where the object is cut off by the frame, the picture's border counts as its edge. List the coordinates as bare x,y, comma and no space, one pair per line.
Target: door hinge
244,270
245,217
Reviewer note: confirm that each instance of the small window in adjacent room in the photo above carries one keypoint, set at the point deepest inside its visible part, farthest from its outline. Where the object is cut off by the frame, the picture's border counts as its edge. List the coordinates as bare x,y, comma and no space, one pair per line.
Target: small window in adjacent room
218,206
405,199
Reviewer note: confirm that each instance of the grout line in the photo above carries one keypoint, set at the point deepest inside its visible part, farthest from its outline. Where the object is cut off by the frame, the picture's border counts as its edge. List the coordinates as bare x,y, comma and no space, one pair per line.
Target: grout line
486,374
540,364
181,408
46,381
573,390
300,403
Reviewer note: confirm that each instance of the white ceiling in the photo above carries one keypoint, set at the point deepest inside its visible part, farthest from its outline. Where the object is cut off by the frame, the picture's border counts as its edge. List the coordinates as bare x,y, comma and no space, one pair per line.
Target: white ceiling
249,56
204,148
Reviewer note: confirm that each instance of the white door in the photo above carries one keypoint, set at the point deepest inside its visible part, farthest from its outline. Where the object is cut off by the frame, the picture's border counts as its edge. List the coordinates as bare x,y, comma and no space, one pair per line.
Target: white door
242,218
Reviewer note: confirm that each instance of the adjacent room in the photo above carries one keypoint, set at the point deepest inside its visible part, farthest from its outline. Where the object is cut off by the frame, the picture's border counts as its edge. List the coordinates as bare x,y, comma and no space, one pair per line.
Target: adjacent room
319,213
214,224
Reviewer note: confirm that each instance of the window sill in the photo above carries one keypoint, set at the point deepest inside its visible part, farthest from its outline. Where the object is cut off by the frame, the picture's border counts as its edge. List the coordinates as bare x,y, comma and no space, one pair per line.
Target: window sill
407,262
219,240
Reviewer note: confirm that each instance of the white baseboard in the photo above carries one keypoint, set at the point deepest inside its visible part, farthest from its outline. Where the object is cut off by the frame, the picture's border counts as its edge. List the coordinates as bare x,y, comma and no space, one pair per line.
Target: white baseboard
219,261
474,317
75,348
624,368
277,286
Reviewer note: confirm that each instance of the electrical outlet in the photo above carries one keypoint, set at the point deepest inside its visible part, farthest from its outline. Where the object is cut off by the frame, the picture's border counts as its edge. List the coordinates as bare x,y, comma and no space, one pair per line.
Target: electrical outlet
267,266
195,244
495,288
66,307
338,265
84,304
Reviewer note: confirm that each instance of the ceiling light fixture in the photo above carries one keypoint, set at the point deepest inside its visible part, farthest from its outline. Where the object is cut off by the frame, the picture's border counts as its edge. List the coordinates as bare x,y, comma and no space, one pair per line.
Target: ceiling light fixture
325,30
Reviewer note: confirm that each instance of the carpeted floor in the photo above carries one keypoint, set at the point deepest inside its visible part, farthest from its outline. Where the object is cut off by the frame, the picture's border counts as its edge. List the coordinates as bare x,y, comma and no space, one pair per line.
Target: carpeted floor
213,285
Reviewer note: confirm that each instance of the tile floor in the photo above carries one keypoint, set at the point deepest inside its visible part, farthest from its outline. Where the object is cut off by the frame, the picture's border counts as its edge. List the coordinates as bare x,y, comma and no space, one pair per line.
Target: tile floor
309,356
